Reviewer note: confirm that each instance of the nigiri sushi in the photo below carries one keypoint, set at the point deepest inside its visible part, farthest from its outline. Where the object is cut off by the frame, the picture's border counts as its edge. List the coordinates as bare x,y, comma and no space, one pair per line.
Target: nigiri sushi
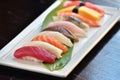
34,53
84,11
69,26
64,31
74,20
84,19
82,3
52,41
50,48
59,36
89,13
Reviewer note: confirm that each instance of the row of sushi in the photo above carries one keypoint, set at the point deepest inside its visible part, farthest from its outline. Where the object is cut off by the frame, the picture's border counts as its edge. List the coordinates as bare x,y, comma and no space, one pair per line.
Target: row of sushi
53,41
84,11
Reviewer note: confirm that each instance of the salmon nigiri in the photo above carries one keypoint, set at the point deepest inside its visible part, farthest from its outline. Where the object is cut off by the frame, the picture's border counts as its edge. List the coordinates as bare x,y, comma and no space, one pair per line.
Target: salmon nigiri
34,53
69,26
52,41
59,36
50,48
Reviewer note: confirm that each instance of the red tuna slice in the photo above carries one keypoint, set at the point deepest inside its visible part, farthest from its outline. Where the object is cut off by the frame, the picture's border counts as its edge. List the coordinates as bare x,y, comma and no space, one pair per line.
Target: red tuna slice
35,52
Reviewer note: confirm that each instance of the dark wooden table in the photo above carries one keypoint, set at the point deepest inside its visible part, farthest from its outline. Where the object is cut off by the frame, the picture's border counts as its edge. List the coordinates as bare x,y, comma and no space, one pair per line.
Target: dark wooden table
102,62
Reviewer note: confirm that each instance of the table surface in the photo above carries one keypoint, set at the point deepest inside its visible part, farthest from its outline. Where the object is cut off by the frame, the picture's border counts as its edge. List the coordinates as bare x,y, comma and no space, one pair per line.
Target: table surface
102,62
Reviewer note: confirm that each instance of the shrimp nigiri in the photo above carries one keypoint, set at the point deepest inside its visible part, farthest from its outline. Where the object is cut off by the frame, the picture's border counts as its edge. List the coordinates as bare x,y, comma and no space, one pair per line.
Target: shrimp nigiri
69,26
52,41
50,48
34,53
84,19
59,36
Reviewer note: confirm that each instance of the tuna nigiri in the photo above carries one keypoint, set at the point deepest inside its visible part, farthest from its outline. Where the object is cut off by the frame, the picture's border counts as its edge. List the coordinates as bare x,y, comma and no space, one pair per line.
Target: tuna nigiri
69,26
35,54
59,36
52,41
87,4
50,48
86,20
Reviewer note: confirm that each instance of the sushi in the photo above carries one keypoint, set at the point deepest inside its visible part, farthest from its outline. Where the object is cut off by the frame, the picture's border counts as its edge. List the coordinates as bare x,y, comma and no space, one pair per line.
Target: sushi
84,19
74,20
89,13
35,54
84,11
79,32
86,4
64,31
51,40
59,36
50,48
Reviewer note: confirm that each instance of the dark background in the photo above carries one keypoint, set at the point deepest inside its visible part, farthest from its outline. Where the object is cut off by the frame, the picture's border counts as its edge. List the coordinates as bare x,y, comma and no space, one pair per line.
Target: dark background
15,15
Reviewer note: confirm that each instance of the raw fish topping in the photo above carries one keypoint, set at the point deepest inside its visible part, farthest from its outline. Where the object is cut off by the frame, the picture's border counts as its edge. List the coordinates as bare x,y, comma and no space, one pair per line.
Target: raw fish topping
36,52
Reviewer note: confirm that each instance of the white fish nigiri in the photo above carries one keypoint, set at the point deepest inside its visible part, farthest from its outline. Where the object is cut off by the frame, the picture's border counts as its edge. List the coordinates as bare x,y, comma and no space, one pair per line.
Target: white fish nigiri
59,36
50,48
69,26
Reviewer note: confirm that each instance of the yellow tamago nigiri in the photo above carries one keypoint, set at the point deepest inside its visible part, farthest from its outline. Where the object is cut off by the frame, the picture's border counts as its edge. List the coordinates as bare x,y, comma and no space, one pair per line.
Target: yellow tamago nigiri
84,11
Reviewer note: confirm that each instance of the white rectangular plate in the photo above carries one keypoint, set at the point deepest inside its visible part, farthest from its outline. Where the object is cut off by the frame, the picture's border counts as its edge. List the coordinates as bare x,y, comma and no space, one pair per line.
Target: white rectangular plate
81,49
